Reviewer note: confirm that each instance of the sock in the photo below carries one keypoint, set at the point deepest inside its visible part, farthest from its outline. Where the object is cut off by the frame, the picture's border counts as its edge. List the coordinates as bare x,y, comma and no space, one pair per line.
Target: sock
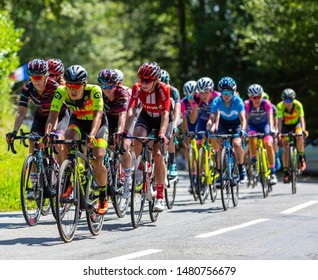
34,178
102,193
273,171
160,189
171,158
127,173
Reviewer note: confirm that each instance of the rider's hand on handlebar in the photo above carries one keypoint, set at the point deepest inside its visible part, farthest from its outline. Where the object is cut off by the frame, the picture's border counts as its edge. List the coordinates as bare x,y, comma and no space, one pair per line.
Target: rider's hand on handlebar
163,139
92,142
243,133
10,136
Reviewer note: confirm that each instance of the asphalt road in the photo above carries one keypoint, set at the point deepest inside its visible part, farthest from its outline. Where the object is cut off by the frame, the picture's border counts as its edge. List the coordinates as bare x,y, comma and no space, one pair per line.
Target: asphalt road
281,227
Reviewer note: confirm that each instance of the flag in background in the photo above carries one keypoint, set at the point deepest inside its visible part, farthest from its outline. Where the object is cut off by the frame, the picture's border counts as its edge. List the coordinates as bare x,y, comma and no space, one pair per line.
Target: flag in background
20,74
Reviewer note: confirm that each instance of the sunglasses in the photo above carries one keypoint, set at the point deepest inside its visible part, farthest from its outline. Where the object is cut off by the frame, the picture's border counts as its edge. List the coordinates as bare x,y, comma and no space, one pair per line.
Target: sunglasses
146,81
227,92
256,97
37,78
107,86
288,100
74,86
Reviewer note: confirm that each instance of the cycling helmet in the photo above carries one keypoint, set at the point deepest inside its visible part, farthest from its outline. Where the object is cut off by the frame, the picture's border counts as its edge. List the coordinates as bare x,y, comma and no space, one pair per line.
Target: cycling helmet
37,67
288,94
189,88
108,75
165,77
55,66
75,74
204,84
120,75
227,83
150,70
255,90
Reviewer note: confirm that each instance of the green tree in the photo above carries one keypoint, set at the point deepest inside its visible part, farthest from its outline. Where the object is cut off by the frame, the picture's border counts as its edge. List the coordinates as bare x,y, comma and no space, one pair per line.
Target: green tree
9,46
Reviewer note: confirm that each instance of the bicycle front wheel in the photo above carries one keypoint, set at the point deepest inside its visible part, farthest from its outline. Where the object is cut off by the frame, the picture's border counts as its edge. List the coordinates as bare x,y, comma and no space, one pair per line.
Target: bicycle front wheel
225,183
137,194
235,183
31,205
293,168
202,186
153,214
67,201
262,169
213,177
193,173
170,192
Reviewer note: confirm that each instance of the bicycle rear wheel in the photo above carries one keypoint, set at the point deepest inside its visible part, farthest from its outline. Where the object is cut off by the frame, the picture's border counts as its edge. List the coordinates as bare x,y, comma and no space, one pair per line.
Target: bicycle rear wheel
170,192
202,188
94,221
193,172
67,201
137,194
293,168
153,214
262,173
225,183
120,202
213,175
54,170
31,208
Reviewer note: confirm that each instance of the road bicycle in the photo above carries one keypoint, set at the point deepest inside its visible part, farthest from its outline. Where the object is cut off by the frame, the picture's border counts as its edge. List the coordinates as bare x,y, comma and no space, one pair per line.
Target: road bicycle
262,171
143,183
229,171
292,159
207,174
192,161
76,191
42,163
116,181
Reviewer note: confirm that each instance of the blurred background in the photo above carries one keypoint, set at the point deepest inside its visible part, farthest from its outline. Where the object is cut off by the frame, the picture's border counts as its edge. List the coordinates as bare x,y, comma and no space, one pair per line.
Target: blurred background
273,43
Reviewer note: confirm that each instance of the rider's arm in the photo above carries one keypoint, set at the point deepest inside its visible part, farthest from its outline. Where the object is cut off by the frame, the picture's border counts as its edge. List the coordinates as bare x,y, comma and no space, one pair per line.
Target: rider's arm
243,119
51,122
121,121
97,120
210,122
176,114
20,117
194,113
164,121
302,123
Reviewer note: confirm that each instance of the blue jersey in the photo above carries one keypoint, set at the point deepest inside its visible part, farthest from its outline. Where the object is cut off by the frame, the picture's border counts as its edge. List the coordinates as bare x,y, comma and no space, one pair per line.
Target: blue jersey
230,115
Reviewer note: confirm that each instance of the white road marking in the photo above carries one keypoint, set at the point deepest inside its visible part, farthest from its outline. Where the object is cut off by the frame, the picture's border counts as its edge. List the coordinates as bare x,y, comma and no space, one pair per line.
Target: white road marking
220,231
136,255
298,207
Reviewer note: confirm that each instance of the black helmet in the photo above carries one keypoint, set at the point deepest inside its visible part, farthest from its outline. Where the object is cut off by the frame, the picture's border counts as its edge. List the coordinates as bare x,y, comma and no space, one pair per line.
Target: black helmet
288,94
75,74
37,67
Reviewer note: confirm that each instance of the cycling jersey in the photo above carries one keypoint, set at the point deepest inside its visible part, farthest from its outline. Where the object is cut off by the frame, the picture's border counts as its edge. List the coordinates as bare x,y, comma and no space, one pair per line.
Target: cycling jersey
258,116
290,118
186,109
118,104
42,102
83,108
152,103
229,117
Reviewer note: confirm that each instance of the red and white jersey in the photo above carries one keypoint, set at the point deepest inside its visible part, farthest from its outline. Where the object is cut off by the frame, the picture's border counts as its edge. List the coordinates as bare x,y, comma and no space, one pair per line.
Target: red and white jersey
153,103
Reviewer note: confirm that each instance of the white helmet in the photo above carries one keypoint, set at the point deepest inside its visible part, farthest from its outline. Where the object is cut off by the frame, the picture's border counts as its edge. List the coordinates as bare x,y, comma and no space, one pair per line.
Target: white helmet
189,88
205,84
255,90
120,75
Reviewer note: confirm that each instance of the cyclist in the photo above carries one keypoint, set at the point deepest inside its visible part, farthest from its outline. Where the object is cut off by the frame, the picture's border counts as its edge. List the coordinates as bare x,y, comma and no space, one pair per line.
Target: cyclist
176,107
56,70
116,99
201,111
86,102
40,90
291,118
120,81
155,99
275,132
187,105
259,115
228,117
